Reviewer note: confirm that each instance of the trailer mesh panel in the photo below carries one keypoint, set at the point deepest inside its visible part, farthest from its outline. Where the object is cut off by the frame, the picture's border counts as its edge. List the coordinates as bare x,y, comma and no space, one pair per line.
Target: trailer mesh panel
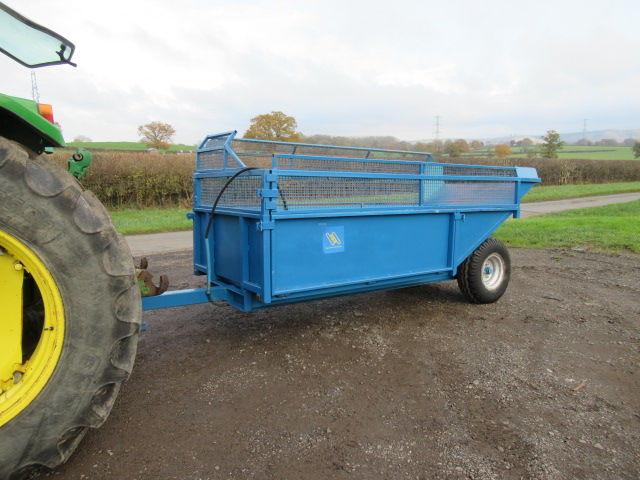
298,193
477,171
247,147
217,142
214,160
324,164
380,186
454,193
313,193
241,193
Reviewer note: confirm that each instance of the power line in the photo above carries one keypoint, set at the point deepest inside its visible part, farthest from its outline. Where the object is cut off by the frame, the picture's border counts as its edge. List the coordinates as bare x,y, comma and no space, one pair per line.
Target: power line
437,124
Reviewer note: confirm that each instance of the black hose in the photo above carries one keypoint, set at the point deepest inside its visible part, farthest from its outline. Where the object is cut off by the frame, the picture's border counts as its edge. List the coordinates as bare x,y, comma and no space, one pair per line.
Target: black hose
284,201
215,204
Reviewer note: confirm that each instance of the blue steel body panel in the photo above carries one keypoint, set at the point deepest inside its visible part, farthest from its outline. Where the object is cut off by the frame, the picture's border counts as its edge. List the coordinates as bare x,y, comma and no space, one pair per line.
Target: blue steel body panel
315,221
372,249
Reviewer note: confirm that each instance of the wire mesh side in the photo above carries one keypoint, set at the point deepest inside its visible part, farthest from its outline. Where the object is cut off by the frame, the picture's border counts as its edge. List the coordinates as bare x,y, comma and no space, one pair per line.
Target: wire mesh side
467,171
311,193
214,160
260,148
365,166
296,193
337,192
217,141
241,193
257,161
450,193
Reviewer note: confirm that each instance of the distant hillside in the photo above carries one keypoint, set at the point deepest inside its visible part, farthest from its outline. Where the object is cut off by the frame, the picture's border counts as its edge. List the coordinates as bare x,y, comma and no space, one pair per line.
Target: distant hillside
619,135
594,136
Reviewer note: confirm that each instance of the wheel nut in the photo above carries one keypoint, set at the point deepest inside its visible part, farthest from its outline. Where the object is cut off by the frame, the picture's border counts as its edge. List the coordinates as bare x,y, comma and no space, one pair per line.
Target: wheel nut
18,266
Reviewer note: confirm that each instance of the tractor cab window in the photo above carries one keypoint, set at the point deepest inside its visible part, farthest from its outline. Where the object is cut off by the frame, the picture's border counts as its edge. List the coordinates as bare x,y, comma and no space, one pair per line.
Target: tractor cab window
31,44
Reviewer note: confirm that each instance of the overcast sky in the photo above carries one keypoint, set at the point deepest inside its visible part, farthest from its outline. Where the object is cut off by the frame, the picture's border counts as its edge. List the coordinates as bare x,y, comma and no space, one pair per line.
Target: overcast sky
340,67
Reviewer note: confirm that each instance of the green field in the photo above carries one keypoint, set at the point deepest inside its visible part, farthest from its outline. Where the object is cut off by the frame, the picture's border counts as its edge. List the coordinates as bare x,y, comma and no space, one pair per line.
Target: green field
613,227
542,193
568,152
588,153
610,228
124,146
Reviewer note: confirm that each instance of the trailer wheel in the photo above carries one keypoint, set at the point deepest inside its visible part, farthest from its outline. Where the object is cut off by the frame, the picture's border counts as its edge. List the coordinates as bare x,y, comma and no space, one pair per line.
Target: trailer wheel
70,312
484,276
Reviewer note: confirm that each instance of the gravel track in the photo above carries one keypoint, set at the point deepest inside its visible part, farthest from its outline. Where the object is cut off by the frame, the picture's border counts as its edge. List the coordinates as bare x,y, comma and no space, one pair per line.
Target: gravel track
406,384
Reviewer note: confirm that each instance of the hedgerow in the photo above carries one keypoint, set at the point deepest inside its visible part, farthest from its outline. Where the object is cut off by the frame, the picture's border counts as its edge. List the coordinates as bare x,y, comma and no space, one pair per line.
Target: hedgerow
129,179
138,179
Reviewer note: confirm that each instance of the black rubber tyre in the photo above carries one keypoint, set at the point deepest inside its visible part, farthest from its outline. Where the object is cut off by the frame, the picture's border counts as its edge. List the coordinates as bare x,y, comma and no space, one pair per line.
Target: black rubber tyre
484,276
72,235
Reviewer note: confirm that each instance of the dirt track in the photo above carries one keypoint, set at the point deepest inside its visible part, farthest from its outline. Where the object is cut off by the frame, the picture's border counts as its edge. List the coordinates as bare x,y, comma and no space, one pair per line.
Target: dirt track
407,384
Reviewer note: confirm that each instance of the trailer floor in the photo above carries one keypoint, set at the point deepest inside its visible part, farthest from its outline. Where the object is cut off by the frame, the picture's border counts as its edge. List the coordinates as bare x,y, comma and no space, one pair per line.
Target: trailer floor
407,384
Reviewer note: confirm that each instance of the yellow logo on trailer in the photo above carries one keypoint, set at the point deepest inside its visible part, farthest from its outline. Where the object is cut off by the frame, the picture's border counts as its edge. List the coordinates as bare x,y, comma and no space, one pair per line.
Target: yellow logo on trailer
334,239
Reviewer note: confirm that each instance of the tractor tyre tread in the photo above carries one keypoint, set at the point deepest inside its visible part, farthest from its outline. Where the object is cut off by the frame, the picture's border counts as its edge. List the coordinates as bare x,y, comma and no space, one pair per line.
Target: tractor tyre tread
72,233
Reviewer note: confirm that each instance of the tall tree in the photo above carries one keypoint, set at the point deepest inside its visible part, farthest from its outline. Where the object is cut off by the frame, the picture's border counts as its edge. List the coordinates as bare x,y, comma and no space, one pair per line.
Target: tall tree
502,151
636,150
456,148
274,126
157,134
552,144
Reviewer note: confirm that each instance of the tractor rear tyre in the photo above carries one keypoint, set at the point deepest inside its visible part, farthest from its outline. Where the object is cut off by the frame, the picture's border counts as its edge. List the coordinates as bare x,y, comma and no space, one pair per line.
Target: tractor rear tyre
70,312
484,276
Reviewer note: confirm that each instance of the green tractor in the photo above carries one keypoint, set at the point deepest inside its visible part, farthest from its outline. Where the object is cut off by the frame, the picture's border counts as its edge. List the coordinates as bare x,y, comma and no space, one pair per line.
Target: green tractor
69,301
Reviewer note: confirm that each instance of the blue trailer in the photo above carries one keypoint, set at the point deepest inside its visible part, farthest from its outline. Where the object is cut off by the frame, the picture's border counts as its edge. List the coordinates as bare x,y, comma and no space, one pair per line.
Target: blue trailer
274,223
279,222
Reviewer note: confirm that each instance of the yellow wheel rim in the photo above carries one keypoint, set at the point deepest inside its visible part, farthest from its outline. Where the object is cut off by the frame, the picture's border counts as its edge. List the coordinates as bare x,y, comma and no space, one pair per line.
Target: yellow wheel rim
25,372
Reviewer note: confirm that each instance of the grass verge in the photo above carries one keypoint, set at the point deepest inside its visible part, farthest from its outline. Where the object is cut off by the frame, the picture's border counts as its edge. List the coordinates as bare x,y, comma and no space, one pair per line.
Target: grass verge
545,193
611,228
134,222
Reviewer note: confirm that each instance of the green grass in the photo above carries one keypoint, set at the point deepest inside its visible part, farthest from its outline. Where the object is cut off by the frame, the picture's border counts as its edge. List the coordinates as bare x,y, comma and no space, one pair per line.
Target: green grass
610,228
542,193
134,222
124,146
586,153
568,152
154,220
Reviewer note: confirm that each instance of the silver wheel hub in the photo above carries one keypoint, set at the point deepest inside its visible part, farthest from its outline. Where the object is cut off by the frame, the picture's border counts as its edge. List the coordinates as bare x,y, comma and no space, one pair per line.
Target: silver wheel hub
493,270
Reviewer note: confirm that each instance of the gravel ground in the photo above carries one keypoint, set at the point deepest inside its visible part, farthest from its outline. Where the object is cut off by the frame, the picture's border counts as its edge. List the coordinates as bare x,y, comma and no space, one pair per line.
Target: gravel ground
406,384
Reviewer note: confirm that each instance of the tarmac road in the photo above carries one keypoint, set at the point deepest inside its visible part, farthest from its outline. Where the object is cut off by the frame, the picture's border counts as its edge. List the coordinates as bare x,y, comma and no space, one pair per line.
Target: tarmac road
175,241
